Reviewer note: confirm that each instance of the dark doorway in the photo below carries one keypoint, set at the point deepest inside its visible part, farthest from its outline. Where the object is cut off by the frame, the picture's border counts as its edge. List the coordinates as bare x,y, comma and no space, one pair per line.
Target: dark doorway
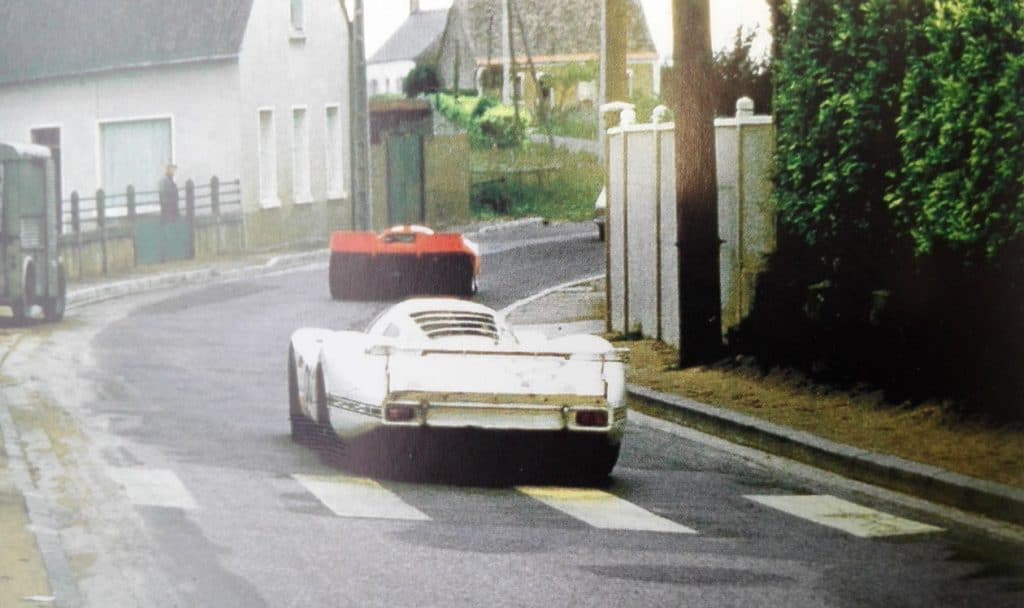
50,137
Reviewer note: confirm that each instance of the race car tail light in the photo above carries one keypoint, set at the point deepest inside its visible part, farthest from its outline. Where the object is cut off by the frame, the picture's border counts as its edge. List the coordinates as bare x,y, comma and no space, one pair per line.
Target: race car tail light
401,413
592,418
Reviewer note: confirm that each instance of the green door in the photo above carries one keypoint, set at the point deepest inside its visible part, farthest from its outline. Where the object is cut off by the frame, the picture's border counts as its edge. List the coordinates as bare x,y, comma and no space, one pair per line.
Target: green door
405,179
162,241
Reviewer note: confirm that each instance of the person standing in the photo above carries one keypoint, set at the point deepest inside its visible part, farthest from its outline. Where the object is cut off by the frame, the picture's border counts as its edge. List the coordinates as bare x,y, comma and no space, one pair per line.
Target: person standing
169,194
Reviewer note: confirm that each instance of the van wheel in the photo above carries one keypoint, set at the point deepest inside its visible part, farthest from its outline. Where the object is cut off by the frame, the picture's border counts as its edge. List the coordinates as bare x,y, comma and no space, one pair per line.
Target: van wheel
22,309
53,308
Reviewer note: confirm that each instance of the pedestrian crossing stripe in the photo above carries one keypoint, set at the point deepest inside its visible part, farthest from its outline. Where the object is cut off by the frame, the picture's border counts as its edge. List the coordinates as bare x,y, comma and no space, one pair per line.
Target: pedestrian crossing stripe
153,487
349,496
843,515
603,510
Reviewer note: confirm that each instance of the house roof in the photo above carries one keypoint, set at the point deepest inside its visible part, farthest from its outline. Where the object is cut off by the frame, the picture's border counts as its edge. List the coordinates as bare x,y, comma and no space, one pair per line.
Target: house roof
562,28
417,35
51,38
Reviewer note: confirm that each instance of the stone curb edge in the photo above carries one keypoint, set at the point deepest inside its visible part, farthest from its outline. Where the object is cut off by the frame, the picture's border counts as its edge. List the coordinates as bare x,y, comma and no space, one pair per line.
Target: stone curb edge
128,286
931,483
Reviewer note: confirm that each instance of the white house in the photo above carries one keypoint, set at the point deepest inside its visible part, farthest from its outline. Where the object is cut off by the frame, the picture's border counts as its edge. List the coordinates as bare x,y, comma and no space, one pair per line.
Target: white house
254,90
418,35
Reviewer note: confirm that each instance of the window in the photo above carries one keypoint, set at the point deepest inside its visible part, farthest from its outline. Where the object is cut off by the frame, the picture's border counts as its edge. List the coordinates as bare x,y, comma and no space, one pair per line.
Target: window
297,15
268,160
373,87
300,157
335,168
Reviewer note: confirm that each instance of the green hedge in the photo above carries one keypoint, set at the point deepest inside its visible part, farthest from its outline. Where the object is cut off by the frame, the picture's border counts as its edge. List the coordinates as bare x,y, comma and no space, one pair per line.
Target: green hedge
960,182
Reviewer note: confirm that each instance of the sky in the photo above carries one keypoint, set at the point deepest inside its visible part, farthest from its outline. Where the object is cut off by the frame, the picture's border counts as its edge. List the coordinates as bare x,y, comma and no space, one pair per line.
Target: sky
384,16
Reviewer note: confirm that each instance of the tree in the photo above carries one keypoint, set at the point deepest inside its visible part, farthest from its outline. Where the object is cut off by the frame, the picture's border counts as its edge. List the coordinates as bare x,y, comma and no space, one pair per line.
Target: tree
421,79
738,74
961,130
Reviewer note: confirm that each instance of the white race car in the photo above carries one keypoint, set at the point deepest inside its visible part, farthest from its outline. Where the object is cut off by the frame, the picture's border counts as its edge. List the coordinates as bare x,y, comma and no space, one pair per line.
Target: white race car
429,363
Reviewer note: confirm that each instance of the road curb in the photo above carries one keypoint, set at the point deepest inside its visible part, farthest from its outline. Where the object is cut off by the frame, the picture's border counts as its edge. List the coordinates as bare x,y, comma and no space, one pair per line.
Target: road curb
924,481
116,289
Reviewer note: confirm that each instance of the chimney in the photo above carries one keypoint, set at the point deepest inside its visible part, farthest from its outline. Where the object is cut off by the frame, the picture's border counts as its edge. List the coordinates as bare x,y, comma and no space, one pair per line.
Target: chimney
414,6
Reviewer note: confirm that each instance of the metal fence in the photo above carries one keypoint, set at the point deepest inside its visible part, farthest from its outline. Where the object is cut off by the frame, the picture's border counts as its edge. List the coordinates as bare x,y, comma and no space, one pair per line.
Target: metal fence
85,214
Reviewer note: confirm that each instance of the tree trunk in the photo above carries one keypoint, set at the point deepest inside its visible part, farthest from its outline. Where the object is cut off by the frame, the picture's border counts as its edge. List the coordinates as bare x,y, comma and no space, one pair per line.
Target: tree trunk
696,186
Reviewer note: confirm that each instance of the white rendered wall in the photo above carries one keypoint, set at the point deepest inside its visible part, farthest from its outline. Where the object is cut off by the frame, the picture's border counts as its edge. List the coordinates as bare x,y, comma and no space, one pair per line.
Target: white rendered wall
200,99
390,74
283,69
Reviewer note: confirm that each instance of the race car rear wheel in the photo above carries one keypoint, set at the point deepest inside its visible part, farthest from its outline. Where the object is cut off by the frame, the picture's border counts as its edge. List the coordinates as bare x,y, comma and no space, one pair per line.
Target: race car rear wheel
300,424
602,460
323,414
334,279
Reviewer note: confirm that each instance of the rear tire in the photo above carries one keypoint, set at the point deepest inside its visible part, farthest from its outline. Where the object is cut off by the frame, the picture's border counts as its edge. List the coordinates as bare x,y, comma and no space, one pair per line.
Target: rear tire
22,309
323,413
300,424
602,461
334,279
53,308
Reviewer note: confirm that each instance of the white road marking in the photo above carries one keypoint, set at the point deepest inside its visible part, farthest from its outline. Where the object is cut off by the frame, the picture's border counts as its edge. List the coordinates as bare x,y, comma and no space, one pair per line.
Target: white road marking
153,487
603,510
358,497
844,515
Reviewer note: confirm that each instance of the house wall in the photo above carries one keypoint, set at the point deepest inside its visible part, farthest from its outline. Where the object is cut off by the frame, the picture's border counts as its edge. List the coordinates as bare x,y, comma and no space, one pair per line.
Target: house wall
387,77
199,98
281,69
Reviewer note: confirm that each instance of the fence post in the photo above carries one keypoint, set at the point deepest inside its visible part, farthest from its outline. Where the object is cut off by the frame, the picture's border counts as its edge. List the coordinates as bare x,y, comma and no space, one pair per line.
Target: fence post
190,213
101,222
130,202
215,209
76,225
214,195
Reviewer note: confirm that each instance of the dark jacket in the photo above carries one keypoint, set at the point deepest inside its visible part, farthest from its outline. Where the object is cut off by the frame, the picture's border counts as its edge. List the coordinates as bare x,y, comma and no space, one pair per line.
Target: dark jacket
168,198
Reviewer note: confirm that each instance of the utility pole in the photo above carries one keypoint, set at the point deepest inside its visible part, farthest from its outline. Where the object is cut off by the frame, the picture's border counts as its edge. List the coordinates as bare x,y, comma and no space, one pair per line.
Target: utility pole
614,34
359,118
697,239
506,53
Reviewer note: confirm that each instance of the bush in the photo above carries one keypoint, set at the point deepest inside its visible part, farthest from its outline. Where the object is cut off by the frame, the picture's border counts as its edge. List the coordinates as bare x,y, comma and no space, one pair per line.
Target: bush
961,130
488,123
838,85
498,127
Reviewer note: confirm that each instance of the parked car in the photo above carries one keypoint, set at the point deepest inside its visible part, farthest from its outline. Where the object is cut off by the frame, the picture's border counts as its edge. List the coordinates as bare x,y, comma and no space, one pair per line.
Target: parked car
600,209
407,260
446,363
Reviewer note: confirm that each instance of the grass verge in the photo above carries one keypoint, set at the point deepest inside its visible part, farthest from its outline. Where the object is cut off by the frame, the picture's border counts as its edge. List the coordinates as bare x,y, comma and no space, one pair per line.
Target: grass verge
927,432
536,180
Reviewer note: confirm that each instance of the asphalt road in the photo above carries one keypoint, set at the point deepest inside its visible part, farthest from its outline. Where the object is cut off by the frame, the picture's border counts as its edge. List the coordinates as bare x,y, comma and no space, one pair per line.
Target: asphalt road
156,430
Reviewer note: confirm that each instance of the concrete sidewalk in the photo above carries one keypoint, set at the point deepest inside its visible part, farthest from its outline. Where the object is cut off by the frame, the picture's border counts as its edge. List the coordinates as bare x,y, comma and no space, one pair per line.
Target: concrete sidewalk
579,307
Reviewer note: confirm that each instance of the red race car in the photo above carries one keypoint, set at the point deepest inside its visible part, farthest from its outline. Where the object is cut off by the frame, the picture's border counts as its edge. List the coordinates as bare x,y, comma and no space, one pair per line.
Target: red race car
402,260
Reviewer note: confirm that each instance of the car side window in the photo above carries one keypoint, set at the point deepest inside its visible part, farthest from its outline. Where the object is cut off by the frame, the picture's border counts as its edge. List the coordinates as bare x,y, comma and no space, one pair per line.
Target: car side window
392,331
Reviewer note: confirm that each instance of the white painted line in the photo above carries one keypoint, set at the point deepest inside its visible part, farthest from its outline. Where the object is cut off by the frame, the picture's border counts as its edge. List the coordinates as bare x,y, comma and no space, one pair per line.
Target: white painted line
523,302
844,515
153,487
603,510
358,497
